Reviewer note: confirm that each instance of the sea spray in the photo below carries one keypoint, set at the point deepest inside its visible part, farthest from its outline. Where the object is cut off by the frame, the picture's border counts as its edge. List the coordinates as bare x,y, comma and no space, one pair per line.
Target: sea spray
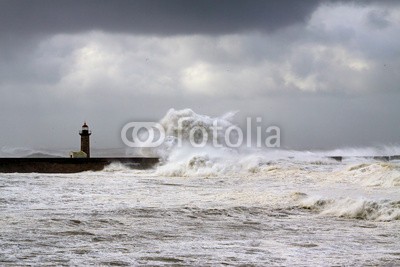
183,127
179,124
179,156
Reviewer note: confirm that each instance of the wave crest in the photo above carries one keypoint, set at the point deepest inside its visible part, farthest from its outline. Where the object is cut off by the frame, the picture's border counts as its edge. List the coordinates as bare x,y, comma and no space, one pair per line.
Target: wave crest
377,210
376,174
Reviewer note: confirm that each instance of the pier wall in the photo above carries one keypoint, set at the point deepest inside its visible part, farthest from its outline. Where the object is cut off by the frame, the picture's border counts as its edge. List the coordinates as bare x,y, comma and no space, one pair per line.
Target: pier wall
69,165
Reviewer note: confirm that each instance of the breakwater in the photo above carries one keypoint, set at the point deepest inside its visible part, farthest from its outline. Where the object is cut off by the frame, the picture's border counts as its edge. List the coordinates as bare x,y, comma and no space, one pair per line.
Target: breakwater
70,165
379,158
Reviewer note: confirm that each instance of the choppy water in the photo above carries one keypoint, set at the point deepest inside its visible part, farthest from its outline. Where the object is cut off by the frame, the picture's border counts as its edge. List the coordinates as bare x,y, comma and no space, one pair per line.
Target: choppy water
203,210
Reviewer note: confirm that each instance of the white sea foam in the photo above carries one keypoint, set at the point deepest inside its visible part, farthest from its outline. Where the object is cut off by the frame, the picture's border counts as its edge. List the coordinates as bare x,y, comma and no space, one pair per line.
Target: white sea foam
379,210
376,174
117,167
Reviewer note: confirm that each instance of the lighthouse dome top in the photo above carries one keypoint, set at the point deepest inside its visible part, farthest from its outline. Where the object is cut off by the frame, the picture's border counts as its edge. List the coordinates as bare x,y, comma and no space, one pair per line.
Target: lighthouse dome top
85,131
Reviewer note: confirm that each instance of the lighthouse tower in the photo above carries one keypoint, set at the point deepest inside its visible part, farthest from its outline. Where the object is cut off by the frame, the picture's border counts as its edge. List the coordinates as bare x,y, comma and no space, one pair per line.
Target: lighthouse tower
85,143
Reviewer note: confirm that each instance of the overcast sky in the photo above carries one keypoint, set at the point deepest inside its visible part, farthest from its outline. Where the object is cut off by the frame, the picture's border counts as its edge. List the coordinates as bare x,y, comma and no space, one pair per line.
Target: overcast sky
326,72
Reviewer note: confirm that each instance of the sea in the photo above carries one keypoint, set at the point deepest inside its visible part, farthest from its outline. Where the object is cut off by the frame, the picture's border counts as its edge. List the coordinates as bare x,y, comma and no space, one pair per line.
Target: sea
207,207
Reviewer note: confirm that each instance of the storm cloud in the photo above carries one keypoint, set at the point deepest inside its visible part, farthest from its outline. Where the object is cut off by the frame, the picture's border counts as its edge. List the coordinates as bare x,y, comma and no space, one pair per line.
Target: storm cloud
326,72
150,16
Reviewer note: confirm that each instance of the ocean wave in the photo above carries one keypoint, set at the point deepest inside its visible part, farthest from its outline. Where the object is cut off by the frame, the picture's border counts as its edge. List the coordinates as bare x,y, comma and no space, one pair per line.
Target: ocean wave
376,174
209,161
185,163
364,209
178,125
117,167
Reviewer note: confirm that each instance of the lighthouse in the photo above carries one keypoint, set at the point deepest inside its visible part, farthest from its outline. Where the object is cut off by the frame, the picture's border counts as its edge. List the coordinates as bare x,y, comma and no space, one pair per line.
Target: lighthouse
85,143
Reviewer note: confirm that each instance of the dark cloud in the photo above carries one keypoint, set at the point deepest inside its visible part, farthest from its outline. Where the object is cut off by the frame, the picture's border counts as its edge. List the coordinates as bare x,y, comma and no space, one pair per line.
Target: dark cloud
378,19
151,16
